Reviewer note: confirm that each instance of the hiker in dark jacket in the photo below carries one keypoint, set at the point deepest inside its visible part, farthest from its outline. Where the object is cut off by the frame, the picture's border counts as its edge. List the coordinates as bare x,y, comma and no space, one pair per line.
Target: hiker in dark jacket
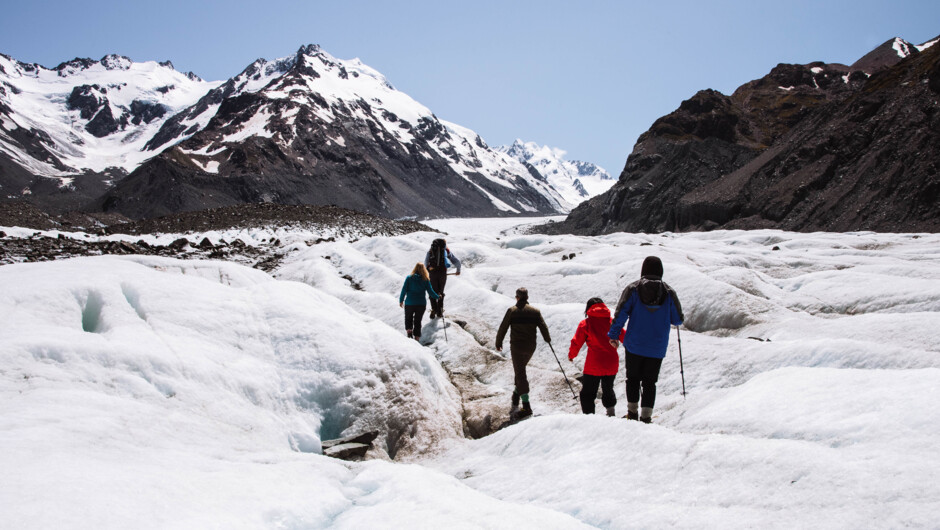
524,320
602,362
650,308
413,300
438,260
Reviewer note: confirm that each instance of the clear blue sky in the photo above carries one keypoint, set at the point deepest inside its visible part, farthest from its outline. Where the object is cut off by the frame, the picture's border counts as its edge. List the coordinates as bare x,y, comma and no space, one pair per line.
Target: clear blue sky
584,76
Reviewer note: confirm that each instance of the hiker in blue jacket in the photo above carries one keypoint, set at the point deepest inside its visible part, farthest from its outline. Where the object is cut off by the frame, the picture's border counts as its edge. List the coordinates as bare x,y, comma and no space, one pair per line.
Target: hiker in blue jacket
438,259
650,308
413,300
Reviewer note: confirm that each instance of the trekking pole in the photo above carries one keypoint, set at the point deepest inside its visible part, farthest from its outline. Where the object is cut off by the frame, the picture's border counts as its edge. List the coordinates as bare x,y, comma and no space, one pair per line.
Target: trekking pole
563,371
681,369
444,320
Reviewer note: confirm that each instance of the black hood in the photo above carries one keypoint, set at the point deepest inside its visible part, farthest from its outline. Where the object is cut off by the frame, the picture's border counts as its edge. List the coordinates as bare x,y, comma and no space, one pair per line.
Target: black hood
652,268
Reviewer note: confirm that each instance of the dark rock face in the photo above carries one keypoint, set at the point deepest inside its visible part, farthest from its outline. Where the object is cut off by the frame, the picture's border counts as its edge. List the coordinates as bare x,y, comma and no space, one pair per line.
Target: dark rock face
104,122
88,99
805,148
146,111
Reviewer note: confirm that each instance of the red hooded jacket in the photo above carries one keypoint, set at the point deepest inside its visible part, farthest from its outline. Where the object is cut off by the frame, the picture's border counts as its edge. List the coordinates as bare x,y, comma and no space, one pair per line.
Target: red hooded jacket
602,358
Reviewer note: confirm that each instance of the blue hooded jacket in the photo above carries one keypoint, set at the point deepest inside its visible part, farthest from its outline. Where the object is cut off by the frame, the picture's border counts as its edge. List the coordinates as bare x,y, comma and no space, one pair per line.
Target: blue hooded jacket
650,308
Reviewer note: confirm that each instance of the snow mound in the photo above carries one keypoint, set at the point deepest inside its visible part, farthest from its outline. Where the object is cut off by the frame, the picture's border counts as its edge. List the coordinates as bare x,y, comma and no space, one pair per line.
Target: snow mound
213,349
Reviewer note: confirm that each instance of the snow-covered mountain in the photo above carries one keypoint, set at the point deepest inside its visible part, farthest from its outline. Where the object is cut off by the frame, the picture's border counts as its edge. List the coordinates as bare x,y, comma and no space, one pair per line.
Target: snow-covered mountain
87,116
576,181
307,128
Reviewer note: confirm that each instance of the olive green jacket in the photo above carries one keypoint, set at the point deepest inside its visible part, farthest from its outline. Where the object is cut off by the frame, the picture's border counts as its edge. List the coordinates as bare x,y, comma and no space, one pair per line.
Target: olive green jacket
524,321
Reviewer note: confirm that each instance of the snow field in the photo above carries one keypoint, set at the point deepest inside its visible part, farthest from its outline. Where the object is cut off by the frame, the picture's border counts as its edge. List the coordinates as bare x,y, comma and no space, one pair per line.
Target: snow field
825,422
122,377
191,394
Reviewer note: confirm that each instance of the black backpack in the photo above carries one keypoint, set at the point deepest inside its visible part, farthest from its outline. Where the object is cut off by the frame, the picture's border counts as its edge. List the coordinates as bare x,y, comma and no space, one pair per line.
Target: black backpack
436,253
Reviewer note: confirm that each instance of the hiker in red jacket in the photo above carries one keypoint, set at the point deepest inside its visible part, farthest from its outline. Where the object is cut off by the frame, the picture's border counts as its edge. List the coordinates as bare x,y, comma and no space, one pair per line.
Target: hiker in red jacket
602,361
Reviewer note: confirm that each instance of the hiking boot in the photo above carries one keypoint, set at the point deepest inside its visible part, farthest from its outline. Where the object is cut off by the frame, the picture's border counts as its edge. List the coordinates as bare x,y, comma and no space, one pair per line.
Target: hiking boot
525,412
417,338
433,315
410,334
632,415
610,411
515,403
646,420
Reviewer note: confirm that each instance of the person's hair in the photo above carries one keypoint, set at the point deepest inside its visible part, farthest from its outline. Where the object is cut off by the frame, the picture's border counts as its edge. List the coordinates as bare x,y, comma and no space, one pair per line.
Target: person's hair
419,269
593,301
522,296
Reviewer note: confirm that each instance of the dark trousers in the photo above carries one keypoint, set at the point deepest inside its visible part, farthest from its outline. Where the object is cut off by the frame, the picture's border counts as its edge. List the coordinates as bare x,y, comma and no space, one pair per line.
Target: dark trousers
438,279
413,314
645,371
589,384
521,358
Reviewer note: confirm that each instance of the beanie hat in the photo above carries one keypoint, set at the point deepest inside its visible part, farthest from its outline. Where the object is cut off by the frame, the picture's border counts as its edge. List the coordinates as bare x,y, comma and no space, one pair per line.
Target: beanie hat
652,268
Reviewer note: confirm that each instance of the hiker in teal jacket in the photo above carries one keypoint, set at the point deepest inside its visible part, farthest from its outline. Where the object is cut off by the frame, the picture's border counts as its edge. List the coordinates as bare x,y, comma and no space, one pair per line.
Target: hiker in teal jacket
413,300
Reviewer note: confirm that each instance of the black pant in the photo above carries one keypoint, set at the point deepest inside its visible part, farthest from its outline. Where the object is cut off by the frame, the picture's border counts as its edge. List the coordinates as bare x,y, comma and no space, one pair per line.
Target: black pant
521,358
643,370
589,384
438,279
413,314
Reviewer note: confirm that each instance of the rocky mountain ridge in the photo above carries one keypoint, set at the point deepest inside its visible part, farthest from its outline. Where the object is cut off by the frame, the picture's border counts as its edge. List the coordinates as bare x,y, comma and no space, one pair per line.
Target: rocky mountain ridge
807,147
304,129
68,133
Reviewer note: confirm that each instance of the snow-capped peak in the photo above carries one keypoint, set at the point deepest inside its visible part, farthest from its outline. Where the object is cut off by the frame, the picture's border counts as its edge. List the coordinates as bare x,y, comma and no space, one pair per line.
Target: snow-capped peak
116,62
902,47
93,114
576,181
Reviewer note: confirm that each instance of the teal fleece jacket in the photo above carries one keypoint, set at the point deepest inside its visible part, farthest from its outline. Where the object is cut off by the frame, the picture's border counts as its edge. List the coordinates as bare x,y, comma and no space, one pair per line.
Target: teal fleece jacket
412,292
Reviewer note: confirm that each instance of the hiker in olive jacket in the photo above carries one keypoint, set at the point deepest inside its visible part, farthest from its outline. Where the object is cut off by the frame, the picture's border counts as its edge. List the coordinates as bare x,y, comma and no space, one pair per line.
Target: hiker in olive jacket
524,320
